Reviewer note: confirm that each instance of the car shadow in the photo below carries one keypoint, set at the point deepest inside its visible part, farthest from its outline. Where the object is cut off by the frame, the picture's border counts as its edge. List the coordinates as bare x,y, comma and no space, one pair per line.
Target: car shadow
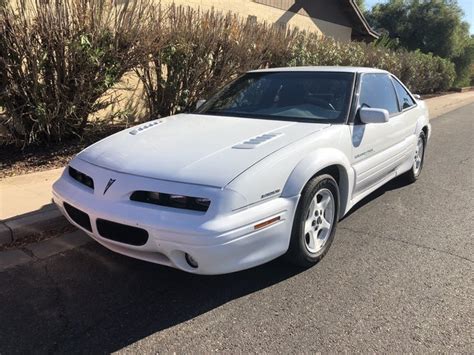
93,300
393,184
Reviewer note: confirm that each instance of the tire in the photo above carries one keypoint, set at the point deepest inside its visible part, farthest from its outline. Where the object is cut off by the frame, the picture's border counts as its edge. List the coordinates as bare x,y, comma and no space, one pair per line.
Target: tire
313,231
413,174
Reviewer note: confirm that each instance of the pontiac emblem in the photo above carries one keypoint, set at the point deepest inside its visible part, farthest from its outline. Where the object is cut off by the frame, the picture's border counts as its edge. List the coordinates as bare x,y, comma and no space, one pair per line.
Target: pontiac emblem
111,181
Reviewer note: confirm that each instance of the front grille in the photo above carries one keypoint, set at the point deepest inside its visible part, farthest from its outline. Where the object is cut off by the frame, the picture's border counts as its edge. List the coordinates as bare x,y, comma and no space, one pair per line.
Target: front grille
78,216
81,177
122,233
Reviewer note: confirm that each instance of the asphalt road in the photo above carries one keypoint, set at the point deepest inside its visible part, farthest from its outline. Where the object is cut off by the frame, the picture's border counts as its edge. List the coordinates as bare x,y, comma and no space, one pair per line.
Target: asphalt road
398,278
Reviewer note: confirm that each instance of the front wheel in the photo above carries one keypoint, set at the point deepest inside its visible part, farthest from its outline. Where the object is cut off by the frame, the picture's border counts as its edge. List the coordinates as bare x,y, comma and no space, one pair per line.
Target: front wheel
315,221
419,157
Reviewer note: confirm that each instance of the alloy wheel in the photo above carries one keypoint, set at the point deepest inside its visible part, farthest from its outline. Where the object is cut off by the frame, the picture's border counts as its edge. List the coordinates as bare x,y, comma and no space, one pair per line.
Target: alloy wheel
418,156
319,220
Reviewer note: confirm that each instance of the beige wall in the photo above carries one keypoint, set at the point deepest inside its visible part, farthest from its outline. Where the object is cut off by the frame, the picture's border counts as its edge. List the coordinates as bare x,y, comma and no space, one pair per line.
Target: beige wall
271,14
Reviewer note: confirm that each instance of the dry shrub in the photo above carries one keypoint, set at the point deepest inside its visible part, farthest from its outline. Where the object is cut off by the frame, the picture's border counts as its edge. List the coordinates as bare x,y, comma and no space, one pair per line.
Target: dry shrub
58,57
203,51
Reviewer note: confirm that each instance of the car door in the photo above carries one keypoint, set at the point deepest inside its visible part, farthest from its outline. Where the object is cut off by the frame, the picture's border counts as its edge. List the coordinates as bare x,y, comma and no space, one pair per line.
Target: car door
377,148
408,116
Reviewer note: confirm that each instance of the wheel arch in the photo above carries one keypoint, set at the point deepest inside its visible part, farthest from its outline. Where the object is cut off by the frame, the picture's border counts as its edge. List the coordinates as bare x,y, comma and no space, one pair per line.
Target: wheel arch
423,122
427,131
330,161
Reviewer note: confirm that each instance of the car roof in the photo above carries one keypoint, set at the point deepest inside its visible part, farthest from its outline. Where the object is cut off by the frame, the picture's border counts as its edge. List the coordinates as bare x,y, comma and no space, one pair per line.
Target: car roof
340,69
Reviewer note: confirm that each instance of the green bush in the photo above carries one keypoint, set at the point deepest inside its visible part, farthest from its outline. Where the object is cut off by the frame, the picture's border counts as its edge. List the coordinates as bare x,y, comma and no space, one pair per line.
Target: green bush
464,65
57,58
422,73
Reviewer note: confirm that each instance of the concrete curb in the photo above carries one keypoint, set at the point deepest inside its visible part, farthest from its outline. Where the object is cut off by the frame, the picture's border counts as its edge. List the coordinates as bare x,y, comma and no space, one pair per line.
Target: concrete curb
15,228
43,249
5,234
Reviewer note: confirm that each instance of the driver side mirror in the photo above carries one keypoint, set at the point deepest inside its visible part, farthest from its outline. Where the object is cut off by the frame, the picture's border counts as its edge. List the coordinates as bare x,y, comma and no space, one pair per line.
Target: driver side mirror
199,103
373,115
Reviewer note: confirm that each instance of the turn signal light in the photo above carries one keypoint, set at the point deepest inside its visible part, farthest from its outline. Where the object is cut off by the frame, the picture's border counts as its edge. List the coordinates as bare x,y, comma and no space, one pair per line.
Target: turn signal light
267,222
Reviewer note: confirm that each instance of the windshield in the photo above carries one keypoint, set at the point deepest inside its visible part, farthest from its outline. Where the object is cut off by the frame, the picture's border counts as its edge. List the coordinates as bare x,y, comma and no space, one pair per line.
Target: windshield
301,96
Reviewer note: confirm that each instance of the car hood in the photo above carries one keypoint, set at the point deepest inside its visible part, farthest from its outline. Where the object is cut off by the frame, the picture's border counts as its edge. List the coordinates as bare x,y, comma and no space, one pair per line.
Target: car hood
196,149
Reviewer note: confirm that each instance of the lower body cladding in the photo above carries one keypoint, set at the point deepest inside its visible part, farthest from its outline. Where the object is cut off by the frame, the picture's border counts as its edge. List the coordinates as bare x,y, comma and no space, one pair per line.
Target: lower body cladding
263,234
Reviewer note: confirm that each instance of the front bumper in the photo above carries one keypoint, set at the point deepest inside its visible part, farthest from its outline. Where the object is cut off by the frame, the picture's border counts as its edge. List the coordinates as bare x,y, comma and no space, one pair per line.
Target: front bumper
219,242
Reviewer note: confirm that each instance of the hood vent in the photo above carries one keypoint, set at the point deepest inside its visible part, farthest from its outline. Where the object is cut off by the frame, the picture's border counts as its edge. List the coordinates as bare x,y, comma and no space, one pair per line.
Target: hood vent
143,127
257,141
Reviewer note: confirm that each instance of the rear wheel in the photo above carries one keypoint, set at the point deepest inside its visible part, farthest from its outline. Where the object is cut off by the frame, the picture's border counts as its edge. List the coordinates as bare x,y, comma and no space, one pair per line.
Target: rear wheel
418,160
315,221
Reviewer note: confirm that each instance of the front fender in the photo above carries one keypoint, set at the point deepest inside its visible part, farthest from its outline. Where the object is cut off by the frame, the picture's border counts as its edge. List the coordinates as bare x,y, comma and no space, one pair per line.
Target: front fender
316,161
423,121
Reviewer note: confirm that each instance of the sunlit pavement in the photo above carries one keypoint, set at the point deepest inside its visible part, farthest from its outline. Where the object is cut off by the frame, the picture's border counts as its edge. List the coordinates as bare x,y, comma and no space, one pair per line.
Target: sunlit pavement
398,278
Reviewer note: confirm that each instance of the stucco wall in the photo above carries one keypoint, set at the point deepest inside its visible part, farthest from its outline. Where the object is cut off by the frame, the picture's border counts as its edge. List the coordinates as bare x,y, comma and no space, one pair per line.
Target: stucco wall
271,14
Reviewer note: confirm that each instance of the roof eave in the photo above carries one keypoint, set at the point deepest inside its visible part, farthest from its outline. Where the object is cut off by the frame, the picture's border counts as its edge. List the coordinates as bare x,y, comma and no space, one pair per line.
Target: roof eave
369,31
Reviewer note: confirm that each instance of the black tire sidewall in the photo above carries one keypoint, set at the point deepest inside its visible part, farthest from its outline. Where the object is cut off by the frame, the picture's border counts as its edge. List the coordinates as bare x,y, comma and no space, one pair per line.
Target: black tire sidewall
298,253
423,137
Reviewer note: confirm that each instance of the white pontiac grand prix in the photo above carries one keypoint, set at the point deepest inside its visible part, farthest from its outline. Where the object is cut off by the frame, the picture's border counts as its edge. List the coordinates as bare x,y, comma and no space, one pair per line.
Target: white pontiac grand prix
264,168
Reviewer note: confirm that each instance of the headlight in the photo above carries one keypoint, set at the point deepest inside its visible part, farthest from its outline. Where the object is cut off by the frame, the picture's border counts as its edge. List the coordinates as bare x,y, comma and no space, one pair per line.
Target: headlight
172,200
178,201
81,177
204,202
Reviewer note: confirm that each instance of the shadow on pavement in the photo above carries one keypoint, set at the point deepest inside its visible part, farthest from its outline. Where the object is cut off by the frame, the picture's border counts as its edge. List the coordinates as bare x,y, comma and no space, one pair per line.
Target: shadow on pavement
92,300
393,184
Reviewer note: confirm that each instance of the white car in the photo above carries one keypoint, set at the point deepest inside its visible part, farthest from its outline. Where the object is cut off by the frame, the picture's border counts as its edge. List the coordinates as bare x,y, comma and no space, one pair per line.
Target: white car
264,168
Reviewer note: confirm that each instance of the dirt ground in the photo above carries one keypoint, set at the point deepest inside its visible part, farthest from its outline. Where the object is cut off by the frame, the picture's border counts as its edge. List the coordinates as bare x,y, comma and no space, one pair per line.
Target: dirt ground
16,161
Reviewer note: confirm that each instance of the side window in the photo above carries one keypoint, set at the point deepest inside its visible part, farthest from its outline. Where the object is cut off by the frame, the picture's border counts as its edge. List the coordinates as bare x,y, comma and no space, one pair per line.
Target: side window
403,97
377,92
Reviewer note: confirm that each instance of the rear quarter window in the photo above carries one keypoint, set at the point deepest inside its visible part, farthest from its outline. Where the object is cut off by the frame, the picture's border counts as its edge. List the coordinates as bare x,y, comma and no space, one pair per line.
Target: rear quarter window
404,97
